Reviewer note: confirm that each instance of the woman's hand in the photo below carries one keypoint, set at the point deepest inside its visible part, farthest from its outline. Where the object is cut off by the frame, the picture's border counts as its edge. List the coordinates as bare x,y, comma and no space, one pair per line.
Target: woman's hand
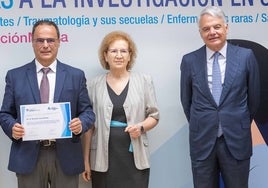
134,130
87,173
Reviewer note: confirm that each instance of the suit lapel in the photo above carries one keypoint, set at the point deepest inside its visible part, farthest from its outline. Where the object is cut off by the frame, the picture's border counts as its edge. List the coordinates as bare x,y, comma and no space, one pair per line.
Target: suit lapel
60,78
32,80
201,70
232,64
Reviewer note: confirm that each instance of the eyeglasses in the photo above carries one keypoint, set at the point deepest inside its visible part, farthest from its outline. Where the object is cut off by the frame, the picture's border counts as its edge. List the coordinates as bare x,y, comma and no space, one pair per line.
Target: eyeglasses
40,41
114,52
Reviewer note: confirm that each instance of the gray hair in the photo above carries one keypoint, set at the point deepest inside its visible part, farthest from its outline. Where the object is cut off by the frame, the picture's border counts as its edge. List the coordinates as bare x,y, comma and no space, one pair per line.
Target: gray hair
213,11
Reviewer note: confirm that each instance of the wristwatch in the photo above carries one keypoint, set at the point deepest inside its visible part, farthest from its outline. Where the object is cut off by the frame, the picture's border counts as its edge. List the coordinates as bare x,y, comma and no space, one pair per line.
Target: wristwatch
142,129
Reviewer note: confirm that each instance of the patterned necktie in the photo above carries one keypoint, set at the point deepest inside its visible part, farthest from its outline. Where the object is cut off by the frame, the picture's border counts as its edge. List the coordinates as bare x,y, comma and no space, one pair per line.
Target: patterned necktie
216,79
216,84
44,86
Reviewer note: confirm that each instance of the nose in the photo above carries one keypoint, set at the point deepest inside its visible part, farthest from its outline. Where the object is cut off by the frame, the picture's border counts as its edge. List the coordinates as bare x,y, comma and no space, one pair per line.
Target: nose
118,54
212,30
45,43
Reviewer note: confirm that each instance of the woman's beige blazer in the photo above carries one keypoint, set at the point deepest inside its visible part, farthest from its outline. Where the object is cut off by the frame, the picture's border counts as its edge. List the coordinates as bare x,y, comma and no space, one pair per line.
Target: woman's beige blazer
139,104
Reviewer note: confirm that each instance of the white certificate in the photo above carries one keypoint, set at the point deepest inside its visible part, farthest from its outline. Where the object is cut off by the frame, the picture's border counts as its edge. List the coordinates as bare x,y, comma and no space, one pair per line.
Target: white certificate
46,121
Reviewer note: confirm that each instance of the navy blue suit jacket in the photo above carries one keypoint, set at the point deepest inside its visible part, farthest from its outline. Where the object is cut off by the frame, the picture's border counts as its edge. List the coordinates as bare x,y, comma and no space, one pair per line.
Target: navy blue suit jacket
22,88
238,103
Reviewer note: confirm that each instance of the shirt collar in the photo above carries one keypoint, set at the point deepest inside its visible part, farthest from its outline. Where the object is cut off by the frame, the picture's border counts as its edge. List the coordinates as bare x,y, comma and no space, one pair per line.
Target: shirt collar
210,53
52,66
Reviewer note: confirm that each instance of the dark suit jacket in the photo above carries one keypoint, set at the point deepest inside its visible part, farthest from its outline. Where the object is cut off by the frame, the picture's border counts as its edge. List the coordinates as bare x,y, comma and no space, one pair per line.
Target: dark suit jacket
238,103
22,88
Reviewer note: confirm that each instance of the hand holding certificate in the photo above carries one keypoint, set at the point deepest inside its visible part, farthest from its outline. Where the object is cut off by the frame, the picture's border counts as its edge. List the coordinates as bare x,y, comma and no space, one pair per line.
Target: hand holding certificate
46,121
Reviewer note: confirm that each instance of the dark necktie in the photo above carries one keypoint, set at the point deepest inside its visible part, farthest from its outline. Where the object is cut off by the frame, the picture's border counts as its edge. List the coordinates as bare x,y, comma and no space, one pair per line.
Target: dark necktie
44,86
216,79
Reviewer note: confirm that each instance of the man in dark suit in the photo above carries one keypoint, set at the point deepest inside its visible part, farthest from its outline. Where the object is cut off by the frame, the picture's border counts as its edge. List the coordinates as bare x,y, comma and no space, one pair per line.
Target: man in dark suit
55,162
219,124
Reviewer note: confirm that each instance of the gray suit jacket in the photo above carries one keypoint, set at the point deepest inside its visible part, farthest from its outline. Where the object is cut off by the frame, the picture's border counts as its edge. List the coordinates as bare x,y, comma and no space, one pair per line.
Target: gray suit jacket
238,103
139,104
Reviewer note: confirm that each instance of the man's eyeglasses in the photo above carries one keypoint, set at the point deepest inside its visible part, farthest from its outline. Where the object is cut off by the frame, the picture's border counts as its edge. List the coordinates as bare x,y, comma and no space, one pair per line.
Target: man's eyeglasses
114,52
40,41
